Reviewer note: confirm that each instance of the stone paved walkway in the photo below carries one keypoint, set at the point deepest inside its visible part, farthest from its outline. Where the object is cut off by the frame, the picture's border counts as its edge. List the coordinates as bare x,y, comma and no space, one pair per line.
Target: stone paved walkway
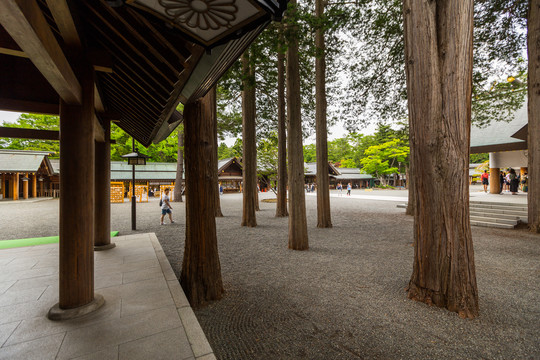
145,316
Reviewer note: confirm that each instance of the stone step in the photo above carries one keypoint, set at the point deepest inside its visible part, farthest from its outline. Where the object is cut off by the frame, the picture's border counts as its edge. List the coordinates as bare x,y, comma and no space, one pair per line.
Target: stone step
519,214
497,203
494,220
498,207
494,215
491,224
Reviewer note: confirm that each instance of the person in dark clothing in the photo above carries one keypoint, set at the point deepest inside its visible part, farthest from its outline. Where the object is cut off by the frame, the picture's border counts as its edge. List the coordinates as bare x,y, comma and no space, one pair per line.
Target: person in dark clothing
514,182
501,180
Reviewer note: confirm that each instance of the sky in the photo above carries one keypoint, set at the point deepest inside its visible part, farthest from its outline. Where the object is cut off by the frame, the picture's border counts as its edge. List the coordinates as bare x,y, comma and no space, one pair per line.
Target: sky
8,116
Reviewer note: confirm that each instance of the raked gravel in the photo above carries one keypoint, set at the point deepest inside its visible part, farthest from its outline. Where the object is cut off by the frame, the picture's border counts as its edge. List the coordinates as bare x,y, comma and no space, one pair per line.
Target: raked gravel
344,298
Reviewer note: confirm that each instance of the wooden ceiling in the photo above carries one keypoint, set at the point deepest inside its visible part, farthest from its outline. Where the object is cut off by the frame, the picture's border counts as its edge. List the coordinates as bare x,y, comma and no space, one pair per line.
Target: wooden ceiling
145,63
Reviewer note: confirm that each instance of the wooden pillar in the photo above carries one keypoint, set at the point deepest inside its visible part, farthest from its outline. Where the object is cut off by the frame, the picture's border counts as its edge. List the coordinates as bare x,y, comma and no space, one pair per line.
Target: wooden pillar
3,186
25,187
77,206
494,180
15,186
201,269
102,209
34,185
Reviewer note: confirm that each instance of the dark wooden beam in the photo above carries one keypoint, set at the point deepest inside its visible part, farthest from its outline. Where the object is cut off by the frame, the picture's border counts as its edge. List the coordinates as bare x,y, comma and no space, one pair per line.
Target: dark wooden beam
25,23
28,106
62,16
29,133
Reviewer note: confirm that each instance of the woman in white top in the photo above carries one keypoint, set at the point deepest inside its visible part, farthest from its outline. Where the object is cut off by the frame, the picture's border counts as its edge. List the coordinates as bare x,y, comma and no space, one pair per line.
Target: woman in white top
166,206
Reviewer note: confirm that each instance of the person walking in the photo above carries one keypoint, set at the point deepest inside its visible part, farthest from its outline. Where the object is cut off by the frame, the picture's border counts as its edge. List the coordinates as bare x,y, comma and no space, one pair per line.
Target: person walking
485,180
501,180
166,206
340,188
349,188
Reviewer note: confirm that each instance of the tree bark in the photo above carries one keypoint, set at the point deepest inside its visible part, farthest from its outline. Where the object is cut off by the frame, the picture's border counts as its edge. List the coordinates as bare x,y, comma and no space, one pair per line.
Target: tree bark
249,149
217,199
324,218
533,42
281,206
410,186
438,57
201,269
177,192
298,235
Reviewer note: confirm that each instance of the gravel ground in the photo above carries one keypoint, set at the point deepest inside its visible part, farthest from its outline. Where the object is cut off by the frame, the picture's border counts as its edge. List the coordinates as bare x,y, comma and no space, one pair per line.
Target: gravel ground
345,297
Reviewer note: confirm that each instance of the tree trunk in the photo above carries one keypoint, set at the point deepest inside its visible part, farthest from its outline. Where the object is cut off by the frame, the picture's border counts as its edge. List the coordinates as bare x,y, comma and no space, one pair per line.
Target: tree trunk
249,149
214,160
177,192
533,42
438,58
324,219
201,270
281,206
298,235
410,187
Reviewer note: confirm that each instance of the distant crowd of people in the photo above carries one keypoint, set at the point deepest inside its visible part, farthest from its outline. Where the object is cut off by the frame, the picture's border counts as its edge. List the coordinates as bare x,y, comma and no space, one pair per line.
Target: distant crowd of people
510,181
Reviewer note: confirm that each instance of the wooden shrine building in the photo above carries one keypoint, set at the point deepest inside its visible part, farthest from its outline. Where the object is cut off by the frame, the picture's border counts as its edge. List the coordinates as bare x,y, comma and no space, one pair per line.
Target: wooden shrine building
24,174
127,61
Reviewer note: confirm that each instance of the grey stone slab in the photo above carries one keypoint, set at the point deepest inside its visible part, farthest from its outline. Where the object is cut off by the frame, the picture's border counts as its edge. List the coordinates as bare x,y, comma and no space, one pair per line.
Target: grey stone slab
27,274
41,326
86,340
171,344
23,263
6,285
14,296
6,330
49,280
144,274
143,302
107,280
207,357
140,257
178,294
21,311
110,353
47,262
43,349
197,339
121,267
6,260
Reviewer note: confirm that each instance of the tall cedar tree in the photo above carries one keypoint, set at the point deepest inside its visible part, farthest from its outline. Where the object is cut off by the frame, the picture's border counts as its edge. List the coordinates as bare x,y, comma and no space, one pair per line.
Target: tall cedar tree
533,196
179,182
201,269
281,205
324,218
249,153
298,235
438,60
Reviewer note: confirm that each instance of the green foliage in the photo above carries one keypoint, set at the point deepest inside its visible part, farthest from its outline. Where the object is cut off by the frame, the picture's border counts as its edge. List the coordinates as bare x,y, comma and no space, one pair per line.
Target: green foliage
384,159
374,52
165,151
478,158
33,121
267,157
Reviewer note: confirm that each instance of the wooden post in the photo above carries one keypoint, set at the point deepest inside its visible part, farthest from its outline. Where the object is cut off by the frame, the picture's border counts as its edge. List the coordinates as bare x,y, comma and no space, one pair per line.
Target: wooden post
25,187
34,185
494,180
201,269
102,209
77,206
15,186
3,186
